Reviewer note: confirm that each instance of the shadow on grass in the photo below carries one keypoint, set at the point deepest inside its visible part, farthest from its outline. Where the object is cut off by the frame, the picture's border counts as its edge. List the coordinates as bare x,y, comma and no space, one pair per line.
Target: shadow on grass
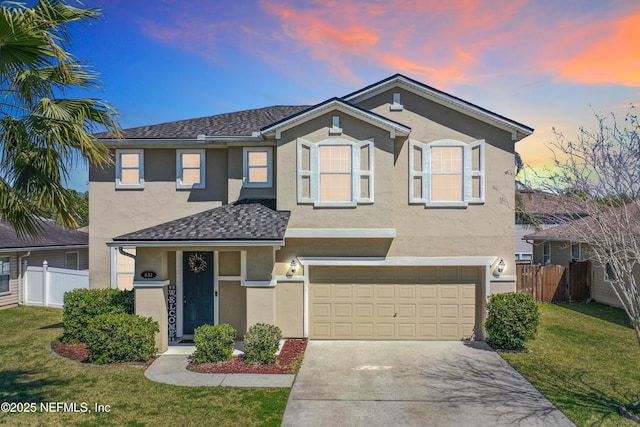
52,326
600,311
24,386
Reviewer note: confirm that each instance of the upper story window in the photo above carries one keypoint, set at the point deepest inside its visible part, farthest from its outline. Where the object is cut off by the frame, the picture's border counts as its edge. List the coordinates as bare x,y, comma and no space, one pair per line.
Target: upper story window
335,172
190,169
446,173
5,274
258,167
129,169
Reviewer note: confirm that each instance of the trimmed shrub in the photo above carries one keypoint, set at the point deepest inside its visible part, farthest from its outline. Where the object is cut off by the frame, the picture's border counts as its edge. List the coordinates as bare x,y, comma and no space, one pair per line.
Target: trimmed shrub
121,337
512,320
82,305
261,343
214,343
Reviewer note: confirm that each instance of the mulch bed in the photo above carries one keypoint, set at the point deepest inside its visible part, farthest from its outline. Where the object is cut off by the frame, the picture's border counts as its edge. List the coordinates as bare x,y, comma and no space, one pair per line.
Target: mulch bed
290,355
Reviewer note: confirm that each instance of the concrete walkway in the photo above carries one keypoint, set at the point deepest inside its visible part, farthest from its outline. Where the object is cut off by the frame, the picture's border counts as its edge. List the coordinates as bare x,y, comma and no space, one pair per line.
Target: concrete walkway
391,383
171,368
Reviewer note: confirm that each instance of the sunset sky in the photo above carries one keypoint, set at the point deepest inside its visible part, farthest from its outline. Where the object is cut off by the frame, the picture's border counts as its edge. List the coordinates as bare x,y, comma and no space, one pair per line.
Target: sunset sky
544,63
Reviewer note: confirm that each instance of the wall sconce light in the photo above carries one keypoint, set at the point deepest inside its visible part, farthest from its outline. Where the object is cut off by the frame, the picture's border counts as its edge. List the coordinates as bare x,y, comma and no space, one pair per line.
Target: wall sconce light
501,266
294,265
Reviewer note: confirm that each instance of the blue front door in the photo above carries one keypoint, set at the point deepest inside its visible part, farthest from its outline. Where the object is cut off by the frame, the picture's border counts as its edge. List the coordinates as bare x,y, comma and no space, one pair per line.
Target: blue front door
197,276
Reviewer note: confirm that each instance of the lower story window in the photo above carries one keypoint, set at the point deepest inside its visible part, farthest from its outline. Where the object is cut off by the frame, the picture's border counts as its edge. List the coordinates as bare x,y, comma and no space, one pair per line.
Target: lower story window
5,274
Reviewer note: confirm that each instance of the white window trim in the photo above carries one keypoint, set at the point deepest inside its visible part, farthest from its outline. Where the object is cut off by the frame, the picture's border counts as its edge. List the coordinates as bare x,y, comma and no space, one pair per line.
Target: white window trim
314,174
579,252
467,173
396,105
77,259
179,184
245,167
119,184
8,258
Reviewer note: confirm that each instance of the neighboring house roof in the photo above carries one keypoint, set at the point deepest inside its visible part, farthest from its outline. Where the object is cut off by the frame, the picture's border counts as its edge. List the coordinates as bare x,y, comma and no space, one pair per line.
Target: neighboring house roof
51,235
245,220
550,208
239,123
518,130
334,104
588,229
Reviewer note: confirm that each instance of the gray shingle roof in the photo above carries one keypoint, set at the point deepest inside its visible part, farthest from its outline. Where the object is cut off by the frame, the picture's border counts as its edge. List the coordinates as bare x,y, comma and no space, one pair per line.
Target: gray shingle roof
51,234
242,220
239,123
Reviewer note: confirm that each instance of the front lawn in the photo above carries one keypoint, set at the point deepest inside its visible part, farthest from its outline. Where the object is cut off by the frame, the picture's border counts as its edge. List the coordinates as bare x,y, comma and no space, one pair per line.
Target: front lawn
29,373
585,360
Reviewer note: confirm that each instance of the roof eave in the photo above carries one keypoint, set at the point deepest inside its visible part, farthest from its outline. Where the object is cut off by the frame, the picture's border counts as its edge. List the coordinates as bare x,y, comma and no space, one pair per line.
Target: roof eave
193,243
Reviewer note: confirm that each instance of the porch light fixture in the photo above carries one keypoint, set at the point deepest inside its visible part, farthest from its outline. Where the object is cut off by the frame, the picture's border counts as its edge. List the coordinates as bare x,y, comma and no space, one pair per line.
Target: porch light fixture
294,265
501,266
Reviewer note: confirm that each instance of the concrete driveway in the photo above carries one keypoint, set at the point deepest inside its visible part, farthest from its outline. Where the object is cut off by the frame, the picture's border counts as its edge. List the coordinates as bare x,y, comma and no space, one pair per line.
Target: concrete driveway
395,383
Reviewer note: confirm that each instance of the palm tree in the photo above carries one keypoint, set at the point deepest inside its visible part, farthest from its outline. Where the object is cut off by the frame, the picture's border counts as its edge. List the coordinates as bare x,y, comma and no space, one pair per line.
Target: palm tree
43,134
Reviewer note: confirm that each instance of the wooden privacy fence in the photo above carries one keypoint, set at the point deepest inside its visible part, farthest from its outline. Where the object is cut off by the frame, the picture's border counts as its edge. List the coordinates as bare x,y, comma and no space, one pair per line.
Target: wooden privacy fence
549,283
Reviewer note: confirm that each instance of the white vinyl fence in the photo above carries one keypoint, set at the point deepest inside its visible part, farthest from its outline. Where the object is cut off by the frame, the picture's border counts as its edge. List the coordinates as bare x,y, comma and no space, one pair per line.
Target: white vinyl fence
46,285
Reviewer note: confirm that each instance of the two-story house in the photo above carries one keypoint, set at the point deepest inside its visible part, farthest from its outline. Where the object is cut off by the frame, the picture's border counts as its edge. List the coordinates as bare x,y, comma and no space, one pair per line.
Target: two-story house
384,214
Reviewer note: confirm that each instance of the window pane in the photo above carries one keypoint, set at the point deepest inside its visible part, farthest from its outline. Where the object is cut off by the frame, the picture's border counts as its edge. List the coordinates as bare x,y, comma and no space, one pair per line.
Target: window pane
130,176
5,270
257,158
364,187
4,284
71,261
335,158
191,176
475,187
5,267
257,174
475,159
130,160
306,158
417,187
446,188
335,187
190,160
446,159
305,191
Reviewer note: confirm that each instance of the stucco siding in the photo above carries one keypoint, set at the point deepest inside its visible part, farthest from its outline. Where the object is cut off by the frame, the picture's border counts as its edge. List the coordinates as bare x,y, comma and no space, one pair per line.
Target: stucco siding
116,212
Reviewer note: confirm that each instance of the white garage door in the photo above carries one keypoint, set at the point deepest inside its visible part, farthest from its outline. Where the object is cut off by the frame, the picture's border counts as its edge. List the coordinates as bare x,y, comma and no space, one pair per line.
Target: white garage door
404,303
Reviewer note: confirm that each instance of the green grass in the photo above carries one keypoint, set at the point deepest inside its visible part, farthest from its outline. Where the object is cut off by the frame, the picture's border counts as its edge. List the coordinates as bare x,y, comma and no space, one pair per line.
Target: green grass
585,360
30,373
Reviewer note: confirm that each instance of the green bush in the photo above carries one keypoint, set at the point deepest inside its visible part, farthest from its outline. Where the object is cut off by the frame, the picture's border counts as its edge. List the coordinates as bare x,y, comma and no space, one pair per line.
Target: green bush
214,343
512,320
82,305
261,343
121,337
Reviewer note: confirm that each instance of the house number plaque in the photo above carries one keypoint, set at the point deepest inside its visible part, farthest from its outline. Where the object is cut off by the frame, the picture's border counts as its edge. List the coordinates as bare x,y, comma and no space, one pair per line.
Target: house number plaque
148,274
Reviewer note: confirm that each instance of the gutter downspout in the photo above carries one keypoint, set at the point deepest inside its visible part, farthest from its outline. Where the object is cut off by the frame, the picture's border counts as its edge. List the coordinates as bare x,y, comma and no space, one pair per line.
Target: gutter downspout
127,254
21,278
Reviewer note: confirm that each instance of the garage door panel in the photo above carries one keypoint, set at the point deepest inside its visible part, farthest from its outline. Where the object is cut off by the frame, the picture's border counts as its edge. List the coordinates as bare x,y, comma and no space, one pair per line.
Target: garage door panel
343,311
449,311
384,309
343,292
342,330
384,291
428,311
364,292
364,311
406,310
364,330
322,310
385,330
321,292
406,292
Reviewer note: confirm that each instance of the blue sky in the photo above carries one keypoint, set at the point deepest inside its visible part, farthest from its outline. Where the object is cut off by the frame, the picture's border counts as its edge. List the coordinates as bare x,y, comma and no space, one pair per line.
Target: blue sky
541,62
